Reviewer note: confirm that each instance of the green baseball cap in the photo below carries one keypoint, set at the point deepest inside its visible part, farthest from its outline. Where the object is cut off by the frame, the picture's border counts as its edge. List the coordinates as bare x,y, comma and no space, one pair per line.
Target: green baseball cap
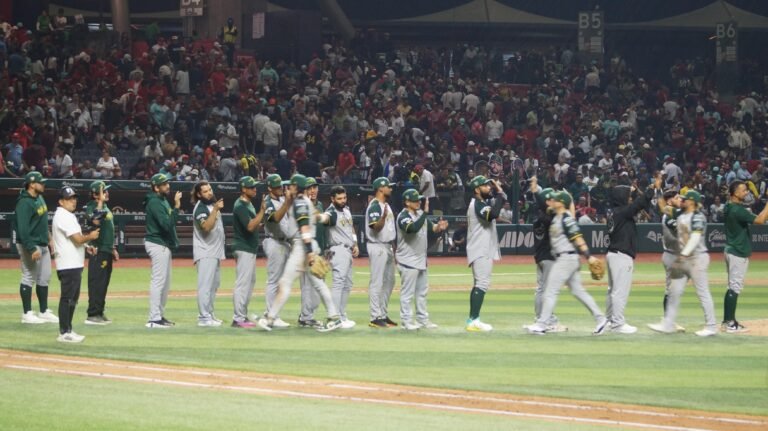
159,179
412,195
274,181
478,181
381,182
547,193
311,181
562,197
692,195
247,182
34,177
299,181
98,186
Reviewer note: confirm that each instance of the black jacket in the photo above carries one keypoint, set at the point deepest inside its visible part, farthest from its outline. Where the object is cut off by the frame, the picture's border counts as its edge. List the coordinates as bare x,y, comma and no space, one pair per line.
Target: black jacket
622,229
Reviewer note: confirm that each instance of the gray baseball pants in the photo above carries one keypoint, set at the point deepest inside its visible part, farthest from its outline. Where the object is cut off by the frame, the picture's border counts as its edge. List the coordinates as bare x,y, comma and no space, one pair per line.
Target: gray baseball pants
543,269
160,284
310,300
295,267
208,282
35,272
277,254
245,279
565,270
620,268
695,269
413,282
668,259
482,268
382,282
341,264
737,270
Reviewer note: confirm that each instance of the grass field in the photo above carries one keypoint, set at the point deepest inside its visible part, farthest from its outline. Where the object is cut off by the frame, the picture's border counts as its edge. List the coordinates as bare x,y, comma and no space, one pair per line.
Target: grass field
725,373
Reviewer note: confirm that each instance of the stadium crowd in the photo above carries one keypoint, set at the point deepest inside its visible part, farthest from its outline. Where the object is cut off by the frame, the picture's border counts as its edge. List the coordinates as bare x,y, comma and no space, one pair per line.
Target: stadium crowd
429,117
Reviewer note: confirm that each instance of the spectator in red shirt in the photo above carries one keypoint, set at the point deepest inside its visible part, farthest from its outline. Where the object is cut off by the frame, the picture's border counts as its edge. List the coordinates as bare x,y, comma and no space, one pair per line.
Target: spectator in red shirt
345,163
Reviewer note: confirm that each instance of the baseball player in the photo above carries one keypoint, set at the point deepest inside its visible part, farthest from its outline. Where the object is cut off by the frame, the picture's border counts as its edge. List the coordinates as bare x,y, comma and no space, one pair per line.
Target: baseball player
542,253
414,226
207,250
620,258
567,243
303,252
380,232
669,242
692,263
31,226
483,244
343,248
245,244
309,299
69,245
279,228
103,253
738,248
159,241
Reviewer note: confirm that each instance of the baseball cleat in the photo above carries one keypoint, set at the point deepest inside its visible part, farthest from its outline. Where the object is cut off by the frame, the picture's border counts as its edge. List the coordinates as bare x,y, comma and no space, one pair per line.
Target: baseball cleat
330,325
706,332
31,318
70,337
48,316
265,323
428,325
391,323
311,323
734,327
97,320
536,329
408,326
475,325
348,324
159,324
660,327
602,323
244,324
679,328
280,323
378,323
167,322
624,329
208,323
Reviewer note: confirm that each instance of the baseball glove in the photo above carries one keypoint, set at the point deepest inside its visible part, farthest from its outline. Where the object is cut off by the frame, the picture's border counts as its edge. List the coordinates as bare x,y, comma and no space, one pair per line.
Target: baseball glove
597,268
319,267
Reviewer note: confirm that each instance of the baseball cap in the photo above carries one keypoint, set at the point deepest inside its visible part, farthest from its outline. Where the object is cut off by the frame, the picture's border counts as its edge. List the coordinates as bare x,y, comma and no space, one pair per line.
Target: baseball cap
34,177
381,182
98,186
478,181
547,193
67,192
411,195
274,181
247,182
311,181
563,197
299,181
159,179
692,195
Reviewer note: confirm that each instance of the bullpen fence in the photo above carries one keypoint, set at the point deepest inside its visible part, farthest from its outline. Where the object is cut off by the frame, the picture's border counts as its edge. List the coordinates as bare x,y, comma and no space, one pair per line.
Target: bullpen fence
513,239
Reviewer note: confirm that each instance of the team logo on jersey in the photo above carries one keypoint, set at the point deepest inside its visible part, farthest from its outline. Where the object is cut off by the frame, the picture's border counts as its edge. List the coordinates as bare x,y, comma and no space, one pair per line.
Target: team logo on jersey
103,264
42,210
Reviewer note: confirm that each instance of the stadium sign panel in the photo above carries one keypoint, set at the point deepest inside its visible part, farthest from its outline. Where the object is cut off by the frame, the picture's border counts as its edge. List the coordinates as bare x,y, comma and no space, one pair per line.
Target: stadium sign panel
191,8
591,34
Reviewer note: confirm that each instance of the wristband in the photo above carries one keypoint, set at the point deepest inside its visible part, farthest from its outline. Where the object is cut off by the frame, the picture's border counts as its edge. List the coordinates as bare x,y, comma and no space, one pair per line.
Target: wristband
308,247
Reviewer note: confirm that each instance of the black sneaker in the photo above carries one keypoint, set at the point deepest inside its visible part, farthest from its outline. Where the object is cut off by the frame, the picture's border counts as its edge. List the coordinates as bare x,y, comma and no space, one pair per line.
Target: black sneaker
378,323
158,324
96,320
330,325
167,322
389,322
734,327
311,323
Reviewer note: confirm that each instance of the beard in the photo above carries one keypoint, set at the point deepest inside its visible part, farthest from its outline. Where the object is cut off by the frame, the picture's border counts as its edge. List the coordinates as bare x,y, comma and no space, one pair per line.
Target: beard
486,195
210,201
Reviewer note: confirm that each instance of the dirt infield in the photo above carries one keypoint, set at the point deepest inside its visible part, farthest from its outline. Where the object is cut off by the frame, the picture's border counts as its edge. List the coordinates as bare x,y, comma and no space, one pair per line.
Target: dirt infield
757,327
540,408
363,262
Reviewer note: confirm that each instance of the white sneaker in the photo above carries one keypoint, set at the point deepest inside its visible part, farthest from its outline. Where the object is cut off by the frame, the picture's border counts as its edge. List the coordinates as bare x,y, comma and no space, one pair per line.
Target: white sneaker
70,337
209,323
536,329
602,322
48,316
31,318
477,326
348,324
409,326
428,325
264,323
706,332
679,328
624,329
280,323
659,327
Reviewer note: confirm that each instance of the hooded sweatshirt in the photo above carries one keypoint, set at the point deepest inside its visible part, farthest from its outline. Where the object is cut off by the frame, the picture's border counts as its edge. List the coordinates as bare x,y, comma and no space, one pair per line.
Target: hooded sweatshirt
161,221
31,222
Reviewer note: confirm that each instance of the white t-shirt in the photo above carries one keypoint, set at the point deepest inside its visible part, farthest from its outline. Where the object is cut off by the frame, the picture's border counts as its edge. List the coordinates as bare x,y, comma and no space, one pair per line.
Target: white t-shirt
429,180
68,255
182,82
106,167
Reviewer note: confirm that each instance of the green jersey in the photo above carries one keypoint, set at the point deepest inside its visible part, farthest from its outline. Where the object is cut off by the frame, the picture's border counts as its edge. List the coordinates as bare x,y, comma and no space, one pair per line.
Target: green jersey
106,241
242,214
161,221
31,221
737,236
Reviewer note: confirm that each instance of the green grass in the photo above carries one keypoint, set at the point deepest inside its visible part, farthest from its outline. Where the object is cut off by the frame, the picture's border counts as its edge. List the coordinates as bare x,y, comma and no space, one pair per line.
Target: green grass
724,373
